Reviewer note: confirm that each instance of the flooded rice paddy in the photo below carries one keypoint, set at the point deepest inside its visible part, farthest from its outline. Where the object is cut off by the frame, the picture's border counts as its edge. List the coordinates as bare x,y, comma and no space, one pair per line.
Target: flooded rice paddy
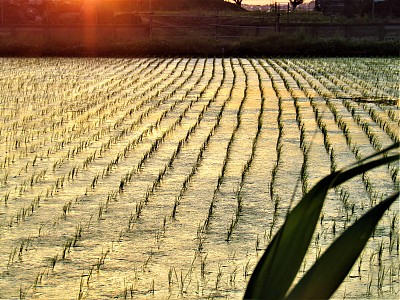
158,178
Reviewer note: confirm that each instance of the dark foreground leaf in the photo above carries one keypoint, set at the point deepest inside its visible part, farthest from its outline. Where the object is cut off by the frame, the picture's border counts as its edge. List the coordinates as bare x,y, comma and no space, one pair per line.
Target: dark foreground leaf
280,263
328,272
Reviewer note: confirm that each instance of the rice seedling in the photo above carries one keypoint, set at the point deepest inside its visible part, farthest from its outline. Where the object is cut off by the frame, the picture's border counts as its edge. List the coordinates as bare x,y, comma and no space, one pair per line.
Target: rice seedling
246,269
99,153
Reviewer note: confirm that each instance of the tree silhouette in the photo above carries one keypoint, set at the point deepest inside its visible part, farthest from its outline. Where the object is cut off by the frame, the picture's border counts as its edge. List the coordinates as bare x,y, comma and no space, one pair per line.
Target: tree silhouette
296,3
238,2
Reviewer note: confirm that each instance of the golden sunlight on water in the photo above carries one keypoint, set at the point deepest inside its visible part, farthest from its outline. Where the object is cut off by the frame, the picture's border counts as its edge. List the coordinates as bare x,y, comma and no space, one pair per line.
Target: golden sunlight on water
167,178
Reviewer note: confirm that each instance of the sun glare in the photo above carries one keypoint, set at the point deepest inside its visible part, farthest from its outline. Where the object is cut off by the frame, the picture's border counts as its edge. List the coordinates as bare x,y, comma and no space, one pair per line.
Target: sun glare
89,19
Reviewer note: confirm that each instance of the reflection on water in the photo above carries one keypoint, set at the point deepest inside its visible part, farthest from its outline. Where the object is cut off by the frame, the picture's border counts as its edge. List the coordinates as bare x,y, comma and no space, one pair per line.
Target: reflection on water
166,178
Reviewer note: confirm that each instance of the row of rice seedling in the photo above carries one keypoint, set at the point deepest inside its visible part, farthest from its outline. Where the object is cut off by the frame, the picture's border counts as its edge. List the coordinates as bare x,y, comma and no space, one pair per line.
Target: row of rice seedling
279,141
156,191
36,158
324,131
102,149
233,138
248,164
236,164
344,127
266,164
365,127
153,148
168,176
52,117
322,127
108,144
312,144
112,162
300,102
200,156
216,216
200,243
367,184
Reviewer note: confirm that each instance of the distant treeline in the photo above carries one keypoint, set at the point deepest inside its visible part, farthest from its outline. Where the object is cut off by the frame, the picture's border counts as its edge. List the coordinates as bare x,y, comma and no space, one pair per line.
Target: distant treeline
101,11
272,46
361,8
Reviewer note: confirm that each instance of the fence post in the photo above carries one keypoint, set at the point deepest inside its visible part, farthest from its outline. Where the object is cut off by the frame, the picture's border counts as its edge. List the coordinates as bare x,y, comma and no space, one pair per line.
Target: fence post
278,14
288,10
216,23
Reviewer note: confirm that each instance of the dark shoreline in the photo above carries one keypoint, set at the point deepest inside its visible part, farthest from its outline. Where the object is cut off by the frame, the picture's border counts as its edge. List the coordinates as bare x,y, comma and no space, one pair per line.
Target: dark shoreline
286,46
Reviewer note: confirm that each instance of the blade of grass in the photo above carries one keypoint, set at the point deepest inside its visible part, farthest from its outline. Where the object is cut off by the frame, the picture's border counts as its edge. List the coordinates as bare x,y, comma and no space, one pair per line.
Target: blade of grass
359,169
328,272
391,147
281,261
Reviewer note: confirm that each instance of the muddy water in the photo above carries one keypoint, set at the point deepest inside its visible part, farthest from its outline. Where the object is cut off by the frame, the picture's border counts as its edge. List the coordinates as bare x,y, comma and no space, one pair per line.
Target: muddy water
166,178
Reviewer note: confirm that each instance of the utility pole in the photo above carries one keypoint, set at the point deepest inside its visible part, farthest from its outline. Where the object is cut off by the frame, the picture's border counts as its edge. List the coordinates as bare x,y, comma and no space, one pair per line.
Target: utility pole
373,9
2,12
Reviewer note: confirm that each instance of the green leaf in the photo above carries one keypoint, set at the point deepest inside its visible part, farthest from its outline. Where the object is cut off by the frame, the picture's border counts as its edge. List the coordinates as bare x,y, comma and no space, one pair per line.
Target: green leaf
328,272
383,151
280,263
359,169
366,164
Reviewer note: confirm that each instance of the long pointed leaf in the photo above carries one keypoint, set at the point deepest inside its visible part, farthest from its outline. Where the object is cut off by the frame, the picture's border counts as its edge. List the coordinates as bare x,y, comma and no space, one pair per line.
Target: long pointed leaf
281,261
385,150
328,272
359,169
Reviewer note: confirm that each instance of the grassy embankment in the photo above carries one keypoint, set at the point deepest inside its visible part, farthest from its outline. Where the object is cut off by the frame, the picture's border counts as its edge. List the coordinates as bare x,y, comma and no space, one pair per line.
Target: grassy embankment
209,41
